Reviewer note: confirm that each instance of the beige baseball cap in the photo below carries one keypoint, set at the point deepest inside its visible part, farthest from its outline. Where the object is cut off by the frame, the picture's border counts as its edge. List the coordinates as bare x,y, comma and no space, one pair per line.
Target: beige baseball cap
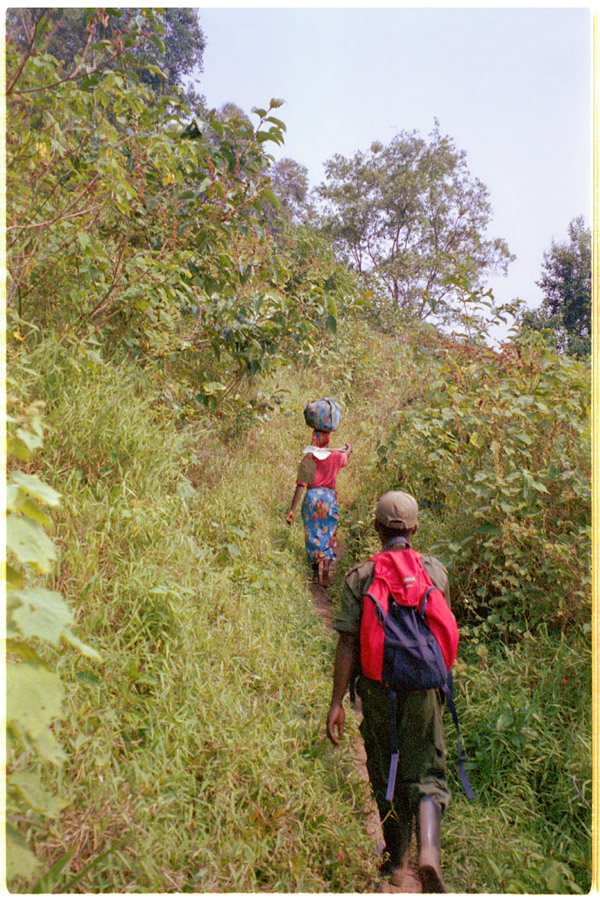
397,510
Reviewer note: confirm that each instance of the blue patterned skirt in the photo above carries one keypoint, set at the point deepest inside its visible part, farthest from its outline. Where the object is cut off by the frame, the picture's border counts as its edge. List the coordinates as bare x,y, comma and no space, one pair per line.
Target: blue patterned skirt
320,516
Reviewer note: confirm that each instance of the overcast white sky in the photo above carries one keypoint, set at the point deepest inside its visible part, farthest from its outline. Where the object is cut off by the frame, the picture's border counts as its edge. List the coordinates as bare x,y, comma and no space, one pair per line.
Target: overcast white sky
511,86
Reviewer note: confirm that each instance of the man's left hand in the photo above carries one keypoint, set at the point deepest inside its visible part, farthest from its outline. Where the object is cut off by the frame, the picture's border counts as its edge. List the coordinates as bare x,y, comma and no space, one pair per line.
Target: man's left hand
335,723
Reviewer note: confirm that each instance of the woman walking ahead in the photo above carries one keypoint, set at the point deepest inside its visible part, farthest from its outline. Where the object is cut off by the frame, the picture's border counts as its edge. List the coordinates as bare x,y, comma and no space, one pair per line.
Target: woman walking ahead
318,473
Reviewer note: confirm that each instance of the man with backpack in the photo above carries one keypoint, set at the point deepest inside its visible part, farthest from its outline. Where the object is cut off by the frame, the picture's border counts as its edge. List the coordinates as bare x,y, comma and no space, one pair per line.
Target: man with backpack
402,729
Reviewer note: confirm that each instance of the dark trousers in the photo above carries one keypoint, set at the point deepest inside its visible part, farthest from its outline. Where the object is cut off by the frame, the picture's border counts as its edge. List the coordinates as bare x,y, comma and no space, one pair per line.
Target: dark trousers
422,751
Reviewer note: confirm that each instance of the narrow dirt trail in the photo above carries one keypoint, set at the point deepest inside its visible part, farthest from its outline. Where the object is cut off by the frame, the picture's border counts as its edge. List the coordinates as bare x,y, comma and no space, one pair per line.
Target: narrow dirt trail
411,883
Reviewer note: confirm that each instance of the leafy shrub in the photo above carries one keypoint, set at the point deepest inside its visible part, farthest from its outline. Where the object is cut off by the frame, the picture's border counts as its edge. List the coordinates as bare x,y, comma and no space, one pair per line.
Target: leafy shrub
498,454
37,619
495,446
134,226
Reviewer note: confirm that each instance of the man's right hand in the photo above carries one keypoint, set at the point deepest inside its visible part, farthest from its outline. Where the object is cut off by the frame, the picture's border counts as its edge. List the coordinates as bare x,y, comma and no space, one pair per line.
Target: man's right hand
335,723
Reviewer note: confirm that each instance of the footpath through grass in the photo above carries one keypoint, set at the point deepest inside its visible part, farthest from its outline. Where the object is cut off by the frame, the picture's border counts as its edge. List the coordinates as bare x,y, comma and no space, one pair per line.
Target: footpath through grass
197,758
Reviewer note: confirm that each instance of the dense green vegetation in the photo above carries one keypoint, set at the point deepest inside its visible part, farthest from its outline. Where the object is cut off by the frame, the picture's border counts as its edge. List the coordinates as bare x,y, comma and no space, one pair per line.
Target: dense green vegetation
168,677
209,701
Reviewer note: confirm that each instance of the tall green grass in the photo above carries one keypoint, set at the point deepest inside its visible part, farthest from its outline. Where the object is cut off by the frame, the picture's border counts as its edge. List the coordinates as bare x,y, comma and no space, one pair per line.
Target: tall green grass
196,750
526,722
197,755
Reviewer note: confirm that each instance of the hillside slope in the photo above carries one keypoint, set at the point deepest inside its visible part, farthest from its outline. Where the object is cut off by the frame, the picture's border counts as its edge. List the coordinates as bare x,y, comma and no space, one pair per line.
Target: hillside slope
196,753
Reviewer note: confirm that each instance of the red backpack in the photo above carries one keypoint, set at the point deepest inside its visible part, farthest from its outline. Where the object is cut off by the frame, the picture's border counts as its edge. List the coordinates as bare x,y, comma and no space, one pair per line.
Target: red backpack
408,637
402,611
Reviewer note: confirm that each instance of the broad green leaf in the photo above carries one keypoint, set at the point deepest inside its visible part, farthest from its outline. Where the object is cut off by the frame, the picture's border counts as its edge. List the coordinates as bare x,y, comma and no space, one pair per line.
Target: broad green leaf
504,721
90,678
185,488
30,788
31,440
476,440
25,505
30,543
213,387
42,614
278,122
524,438
83,239
18,448
20,861
524,401
271,196
13,495
156,71
84,649
541,488
331,323
48,748
33,697
487,528
13,578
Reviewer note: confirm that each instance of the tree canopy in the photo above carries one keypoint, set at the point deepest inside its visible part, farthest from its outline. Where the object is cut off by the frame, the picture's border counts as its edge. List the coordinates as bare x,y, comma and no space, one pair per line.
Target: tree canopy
184,44
72,31
408,216
566,281
133,223
291,186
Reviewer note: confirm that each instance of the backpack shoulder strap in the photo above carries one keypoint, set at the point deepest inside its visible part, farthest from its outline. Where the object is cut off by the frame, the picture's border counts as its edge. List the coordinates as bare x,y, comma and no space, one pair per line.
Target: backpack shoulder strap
448,690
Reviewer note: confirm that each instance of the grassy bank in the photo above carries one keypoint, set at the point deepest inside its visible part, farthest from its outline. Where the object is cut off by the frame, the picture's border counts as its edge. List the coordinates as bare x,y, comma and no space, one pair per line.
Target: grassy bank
197,760
196,749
